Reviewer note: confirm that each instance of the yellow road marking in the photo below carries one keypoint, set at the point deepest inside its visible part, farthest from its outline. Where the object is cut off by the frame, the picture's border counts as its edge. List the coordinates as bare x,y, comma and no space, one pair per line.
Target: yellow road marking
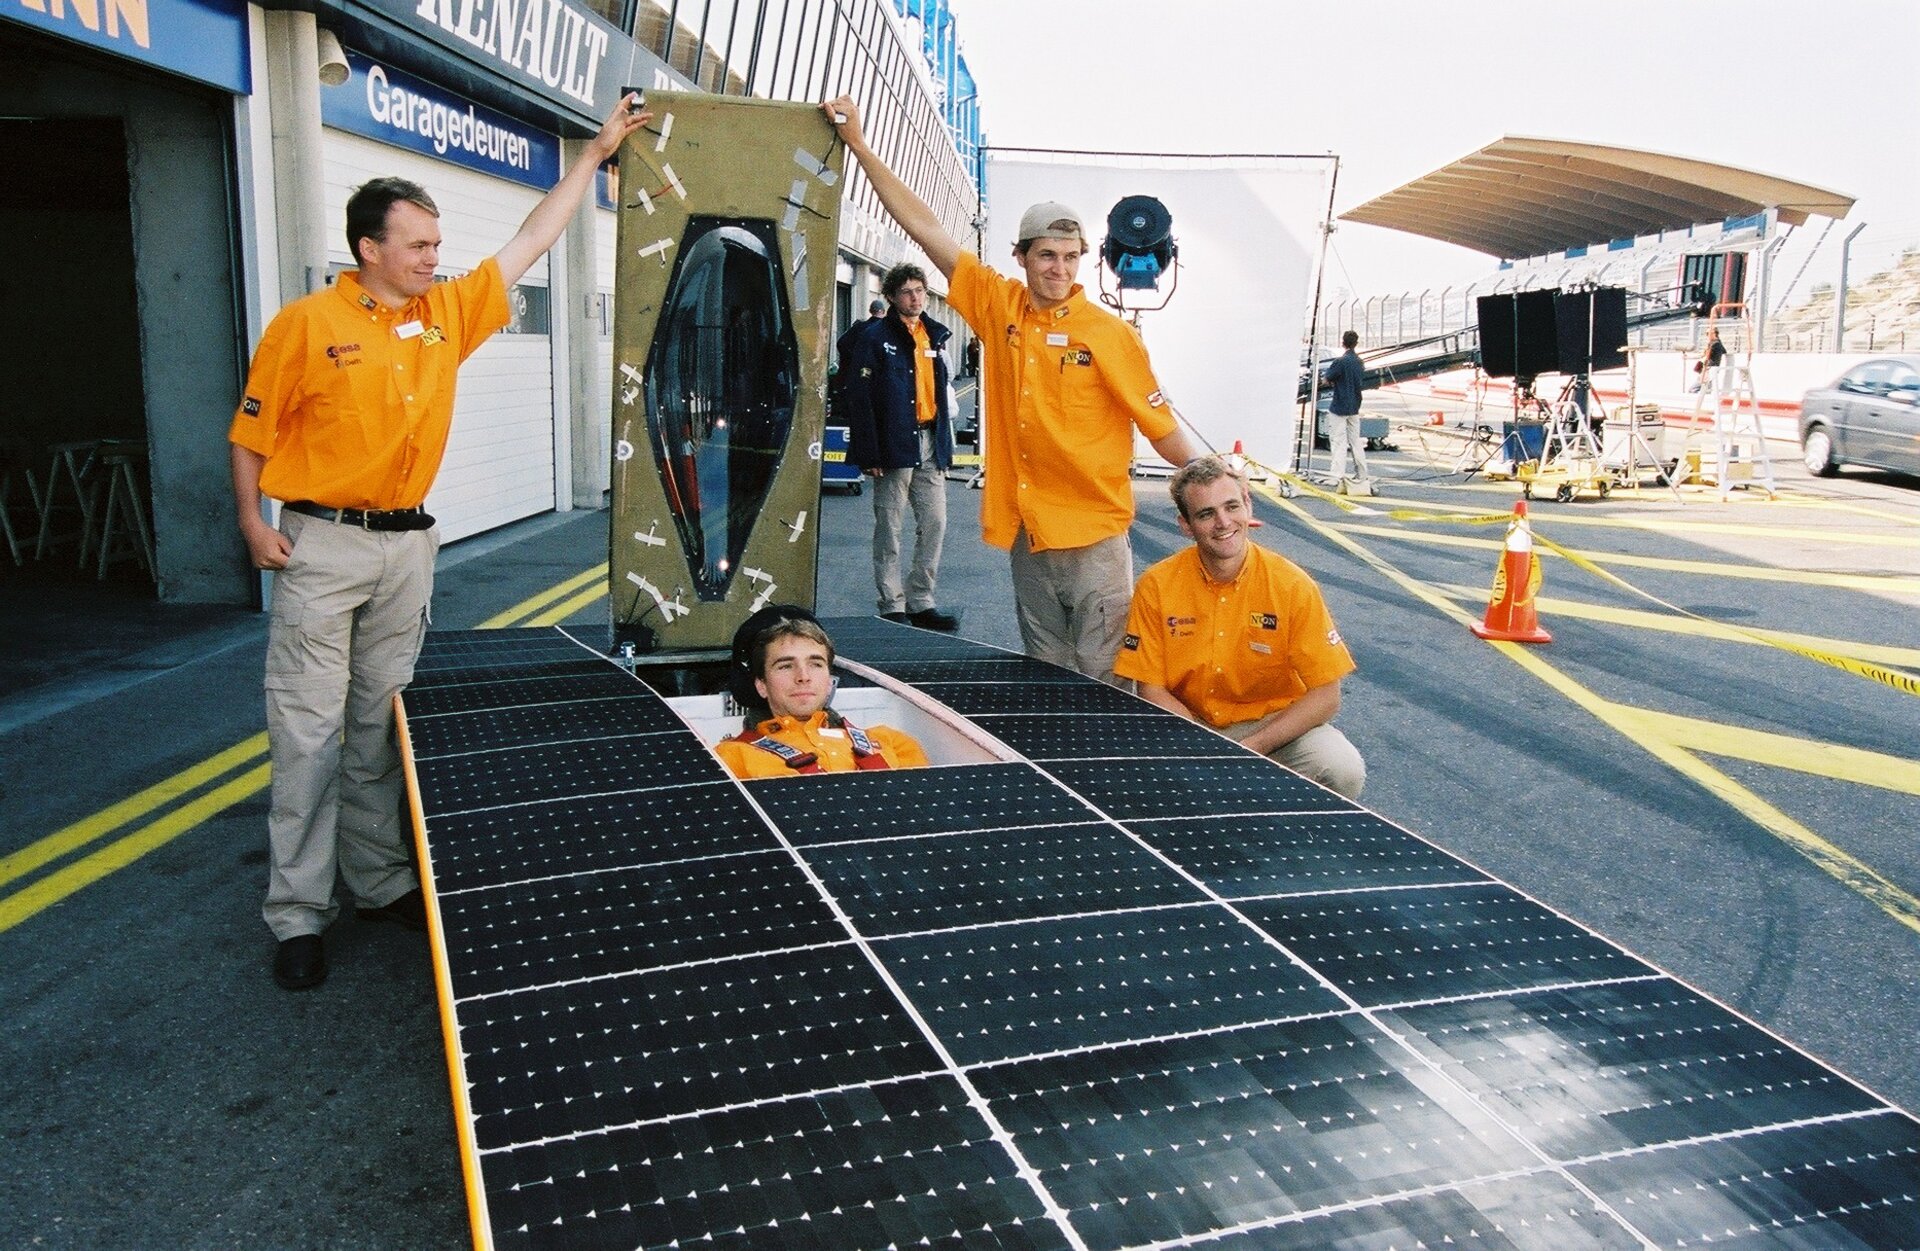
1878,653
61,842
123,851
1879,583
1848,870
566,608
1779,751
55,886
532,604
1676,525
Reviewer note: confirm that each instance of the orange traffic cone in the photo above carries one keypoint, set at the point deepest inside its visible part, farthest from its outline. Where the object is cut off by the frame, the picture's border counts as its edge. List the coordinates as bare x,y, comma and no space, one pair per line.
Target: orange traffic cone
1515,582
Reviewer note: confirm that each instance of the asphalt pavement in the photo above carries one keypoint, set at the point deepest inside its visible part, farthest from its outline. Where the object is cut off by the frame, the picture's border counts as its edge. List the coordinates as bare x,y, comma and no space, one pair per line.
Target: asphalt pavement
1733,811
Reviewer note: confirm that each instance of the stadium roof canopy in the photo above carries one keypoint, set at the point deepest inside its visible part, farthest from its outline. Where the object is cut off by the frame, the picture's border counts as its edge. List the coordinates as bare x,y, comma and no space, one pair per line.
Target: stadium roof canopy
1521,197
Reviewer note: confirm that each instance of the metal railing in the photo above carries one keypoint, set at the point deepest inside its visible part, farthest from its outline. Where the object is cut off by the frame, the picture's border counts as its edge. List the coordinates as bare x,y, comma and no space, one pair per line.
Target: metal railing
1881,312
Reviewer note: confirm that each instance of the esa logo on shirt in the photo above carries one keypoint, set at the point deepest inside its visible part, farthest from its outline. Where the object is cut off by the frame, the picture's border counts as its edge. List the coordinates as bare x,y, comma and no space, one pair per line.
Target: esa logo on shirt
1181,627
1263,621
343,354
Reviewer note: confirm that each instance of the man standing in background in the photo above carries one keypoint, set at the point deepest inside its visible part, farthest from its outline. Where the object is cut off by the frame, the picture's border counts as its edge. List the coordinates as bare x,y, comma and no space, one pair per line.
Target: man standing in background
900,434
1345,375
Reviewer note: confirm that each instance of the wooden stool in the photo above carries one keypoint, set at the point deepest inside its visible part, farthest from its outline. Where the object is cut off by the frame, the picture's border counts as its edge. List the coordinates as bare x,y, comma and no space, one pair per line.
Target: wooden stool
16,465
73,464
124,531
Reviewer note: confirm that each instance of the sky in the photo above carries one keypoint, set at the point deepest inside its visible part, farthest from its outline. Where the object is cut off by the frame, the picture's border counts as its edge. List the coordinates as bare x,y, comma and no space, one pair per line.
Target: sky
1819,91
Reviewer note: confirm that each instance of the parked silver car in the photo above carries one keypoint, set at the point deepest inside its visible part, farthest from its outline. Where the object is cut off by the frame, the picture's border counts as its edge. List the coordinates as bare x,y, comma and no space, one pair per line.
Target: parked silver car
1869,416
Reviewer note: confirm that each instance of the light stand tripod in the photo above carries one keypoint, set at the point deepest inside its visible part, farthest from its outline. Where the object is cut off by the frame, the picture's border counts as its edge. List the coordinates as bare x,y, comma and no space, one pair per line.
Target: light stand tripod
1635,442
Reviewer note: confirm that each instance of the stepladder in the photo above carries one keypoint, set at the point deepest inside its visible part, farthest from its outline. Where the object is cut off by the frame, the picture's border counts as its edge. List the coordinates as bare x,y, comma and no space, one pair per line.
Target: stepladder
1732,417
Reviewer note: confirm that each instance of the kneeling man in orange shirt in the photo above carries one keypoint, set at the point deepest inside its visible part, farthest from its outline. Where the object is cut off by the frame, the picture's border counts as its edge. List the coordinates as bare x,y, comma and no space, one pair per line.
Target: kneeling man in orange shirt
1237,637
792,665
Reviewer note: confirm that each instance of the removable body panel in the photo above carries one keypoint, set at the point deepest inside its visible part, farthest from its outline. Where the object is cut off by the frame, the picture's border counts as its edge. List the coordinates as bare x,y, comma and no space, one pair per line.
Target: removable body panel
728,217
1133,987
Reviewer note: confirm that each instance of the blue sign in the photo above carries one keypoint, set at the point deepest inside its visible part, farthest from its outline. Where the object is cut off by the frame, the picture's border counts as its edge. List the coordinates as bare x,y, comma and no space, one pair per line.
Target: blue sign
397,108
559,50
205,40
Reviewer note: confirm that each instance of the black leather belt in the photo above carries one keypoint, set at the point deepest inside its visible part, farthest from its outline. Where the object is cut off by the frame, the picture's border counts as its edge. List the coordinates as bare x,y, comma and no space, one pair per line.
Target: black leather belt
386,519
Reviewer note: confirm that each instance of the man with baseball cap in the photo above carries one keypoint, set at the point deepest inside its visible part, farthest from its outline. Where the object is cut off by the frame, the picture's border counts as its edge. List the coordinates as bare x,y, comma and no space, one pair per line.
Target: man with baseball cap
1066,384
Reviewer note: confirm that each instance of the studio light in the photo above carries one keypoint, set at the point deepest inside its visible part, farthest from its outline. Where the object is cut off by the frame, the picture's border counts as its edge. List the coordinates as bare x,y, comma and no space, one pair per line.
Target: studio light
1139,246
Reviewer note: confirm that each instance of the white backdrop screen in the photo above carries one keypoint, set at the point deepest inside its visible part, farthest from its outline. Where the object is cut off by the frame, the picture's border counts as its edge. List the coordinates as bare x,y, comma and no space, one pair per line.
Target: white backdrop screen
1227,346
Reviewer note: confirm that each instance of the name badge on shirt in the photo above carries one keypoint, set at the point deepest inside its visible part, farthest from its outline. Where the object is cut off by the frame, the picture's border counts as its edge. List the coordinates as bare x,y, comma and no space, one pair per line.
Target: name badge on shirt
830,732
1262,648
1056,340
410,330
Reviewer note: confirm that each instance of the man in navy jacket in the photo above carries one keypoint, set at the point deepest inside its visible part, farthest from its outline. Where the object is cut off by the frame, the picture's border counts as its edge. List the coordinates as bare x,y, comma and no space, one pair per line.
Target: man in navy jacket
893,380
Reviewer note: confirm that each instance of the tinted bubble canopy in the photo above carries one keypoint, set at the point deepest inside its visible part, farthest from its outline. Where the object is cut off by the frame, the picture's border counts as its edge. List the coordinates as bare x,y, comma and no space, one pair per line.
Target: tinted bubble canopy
722,376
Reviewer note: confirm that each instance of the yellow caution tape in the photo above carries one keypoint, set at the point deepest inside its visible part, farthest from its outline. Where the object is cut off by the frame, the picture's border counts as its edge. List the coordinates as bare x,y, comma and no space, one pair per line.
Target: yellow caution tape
1896,679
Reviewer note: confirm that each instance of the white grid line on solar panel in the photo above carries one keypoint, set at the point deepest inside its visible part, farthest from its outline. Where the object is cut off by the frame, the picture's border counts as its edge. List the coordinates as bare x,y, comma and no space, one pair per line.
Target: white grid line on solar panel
676,862
1218,1031
718,1109
1090,914
556,742
1731,1135
975,1099
1367,1204
529,803
1331,842
587,669
1146,755
956,833
1141,910
1508,992
1368,1014
538,703
677,966
1384,888
1388,925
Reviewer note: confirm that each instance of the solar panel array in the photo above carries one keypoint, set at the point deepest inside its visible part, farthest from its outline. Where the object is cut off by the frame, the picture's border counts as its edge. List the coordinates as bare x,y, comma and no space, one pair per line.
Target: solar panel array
1142,988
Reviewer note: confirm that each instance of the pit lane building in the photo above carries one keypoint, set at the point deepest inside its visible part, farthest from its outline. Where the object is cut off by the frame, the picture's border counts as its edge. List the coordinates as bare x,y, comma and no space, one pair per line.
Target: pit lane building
178,170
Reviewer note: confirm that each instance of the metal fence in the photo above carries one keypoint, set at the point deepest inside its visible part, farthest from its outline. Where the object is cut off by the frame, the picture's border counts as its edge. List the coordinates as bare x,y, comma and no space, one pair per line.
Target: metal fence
1880,271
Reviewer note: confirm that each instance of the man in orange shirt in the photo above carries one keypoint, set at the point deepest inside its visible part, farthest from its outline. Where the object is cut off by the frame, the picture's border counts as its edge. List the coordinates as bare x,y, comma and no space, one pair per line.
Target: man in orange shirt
792,665
1066,384
1237,637
345,417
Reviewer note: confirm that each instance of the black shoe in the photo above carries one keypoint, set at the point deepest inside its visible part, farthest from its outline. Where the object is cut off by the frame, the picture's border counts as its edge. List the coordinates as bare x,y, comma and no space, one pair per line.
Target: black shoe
301,962
409,910
901,617
934,619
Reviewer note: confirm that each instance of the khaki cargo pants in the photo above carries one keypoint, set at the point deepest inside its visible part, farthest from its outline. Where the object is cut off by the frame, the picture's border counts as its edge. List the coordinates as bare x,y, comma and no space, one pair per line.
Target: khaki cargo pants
349,614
